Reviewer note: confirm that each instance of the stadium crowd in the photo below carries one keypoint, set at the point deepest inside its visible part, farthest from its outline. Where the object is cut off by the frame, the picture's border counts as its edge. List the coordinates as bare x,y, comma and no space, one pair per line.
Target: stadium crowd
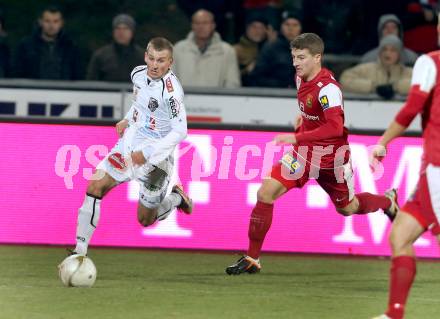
380,61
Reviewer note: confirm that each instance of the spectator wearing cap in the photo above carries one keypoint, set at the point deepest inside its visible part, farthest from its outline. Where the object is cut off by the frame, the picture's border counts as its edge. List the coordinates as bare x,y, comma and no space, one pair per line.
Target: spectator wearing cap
203,59
250,44
390,24
4,50
385,77
48,53
274,67
114,62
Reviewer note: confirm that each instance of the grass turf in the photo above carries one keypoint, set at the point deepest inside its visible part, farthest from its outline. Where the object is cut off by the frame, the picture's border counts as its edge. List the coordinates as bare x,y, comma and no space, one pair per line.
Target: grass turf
169,284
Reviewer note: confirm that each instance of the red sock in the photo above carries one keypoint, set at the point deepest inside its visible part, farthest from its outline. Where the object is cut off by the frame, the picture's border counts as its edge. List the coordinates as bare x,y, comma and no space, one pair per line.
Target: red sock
403,271
259,225
370,203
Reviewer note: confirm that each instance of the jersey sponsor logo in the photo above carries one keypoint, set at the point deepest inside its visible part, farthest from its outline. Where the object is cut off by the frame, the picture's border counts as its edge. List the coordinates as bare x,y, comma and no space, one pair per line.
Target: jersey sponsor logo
310,117
153,104
309,100
324,102
289,161
173,108
169,85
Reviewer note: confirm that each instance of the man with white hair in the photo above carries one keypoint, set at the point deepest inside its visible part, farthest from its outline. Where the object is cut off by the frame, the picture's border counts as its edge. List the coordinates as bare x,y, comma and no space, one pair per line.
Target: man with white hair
203,59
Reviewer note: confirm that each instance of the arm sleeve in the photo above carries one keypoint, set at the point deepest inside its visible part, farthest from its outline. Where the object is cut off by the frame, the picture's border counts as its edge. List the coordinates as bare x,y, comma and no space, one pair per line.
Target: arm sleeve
232,72
164,147
356,79
93,68
334,127
422,82
330,99
76,64
403,84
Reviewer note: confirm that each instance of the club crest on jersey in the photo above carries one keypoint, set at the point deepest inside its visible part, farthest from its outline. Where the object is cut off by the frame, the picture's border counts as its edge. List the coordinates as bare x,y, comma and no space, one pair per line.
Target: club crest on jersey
169,85
309,100
323,100
153,104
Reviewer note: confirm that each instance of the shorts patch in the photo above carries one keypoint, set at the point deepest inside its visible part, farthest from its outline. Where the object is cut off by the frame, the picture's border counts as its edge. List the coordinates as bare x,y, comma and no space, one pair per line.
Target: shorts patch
117,161
289,161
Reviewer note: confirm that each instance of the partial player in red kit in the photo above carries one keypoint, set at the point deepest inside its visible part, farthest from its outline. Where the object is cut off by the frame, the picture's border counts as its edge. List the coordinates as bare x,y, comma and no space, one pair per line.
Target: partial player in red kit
320,151
421,212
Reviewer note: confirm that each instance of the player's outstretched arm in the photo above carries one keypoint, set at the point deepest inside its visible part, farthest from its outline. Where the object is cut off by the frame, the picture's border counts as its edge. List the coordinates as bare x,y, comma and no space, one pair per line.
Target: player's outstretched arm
394,130
121,126
379,151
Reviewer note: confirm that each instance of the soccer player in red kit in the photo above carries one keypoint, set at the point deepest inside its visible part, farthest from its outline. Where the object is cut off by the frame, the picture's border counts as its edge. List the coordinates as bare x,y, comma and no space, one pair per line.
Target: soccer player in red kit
421,212
320,151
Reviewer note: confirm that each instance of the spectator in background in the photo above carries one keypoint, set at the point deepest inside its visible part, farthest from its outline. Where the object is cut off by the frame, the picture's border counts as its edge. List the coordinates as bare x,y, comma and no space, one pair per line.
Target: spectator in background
249,46
390,24
115,61
48,53
420,21
385,77
338,22
270,9
4,50
226,13
274,67
203,59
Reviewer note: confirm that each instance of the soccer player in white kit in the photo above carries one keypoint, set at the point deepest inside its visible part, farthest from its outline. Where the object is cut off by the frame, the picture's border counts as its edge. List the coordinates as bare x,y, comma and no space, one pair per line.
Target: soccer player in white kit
421,212
153,127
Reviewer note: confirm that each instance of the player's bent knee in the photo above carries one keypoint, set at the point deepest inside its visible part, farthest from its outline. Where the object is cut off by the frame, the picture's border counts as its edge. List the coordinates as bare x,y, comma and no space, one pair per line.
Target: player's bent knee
95,189
146,222
344,211
399,245
146,217
265,195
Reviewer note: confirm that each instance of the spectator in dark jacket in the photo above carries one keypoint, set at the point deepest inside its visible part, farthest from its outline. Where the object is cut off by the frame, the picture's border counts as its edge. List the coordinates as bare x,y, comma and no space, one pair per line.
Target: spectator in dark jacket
4,50
274,66
250,44
48,53
115,61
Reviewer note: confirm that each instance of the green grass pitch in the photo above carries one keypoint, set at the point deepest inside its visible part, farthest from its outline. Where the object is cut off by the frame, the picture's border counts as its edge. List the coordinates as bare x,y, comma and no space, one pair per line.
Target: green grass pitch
136,283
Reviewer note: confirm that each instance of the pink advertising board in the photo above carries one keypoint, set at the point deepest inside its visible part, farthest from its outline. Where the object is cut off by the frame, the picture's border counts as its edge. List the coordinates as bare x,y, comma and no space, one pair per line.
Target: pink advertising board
44,171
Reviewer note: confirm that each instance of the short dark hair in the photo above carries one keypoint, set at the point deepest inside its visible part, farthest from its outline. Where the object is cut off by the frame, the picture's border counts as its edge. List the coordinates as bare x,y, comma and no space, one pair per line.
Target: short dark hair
160,44
51,9
310,41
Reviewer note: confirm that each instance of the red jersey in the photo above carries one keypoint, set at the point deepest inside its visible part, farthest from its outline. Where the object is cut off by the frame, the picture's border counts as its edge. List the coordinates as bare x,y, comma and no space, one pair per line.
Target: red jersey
322,109
424,98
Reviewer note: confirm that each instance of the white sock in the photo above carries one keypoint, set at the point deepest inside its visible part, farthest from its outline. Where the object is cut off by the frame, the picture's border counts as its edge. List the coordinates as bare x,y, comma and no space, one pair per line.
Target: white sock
167,205
88,217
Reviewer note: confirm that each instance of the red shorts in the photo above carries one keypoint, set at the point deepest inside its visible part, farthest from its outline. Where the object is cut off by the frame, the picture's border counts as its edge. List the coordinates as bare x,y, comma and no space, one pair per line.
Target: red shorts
424,202
295,172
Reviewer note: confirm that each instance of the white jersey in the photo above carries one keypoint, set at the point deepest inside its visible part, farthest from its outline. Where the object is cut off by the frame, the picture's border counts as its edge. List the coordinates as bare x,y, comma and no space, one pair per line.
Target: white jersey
157,117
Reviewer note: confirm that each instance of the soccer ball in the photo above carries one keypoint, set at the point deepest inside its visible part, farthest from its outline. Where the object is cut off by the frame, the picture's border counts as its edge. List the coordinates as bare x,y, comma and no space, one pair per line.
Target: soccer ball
77,271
